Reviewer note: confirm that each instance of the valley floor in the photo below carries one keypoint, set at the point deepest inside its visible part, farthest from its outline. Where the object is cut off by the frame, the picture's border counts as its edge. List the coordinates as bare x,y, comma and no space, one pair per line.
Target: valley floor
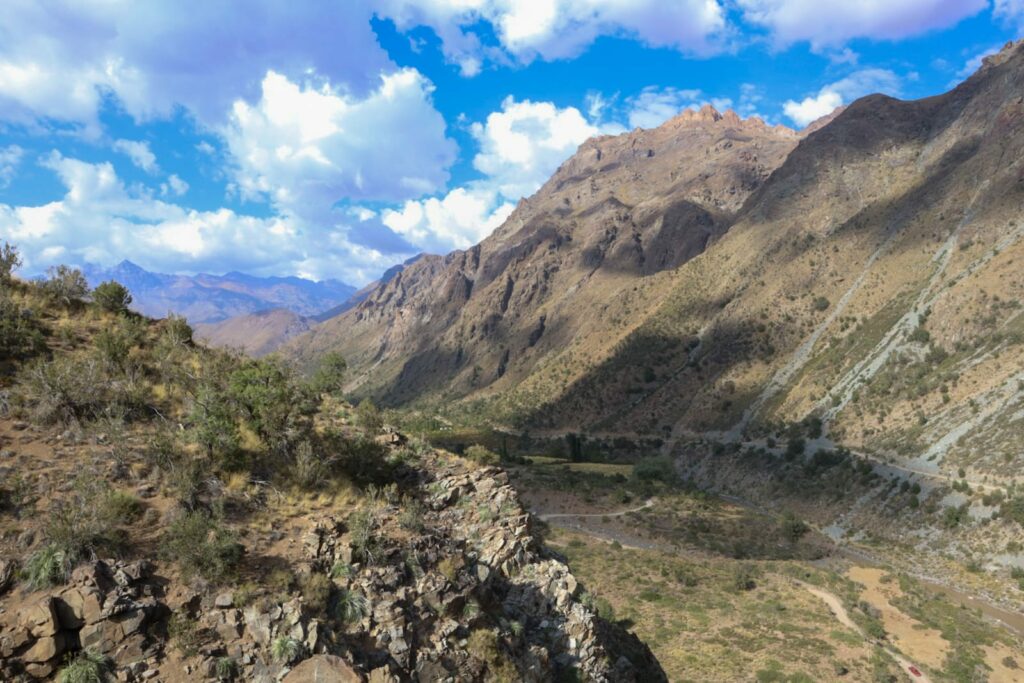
726,592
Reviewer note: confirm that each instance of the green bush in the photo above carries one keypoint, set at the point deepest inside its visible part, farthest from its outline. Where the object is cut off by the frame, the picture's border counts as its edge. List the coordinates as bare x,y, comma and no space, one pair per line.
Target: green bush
47,566
285,649
368,416
184,634
821,304
10,261
112,296
201,545
656,468
20,336
316,591
330,374
482,455
88,666
65,285
350,606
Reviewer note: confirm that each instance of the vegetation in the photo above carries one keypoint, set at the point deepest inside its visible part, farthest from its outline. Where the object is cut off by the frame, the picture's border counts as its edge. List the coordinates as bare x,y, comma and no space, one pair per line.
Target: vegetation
202,546
88,666
112,296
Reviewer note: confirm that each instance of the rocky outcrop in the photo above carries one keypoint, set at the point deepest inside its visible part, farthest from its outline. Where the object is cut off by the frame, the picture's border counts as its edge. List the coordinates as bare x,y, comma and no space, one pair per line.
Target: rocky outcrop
443,580
107,608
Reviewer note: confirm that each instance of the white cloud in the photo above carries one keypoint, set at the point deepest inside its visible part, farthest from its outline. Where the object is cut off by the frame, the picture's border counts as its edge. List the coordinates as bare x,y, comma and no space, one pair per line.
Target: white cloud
140,154
174,186
100,220
522,144
555,29
974,63
307,146
827,24
10,159
1009,10
653,106
834,95
460,219
59,59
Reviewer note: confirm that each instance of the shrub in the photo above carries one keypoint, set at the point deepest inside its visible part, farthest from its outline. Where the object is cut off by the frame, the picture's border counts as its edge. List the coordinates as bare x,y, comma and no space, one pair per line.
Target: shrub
47,566
226,668
88,666
482,455
821,304
20,335
745,577
330,374
483,645
657,468
308,470
10,261
285,649
271,403
183,633
112,296
316,591
202,546
919,336
177,331
65,285
793,528
350,606
368,416
213,422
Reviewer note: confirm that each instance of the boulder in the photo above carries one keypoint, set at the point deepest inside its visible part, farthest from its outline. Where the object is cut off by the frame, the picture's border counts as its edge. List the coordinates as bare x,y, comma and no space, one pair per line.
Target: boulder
323,669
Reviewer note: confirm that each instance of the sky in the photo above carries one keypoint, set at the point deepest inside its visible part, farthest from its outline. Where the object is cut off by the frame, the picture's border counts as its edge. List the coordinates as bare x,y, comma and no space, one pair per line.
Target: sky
335,138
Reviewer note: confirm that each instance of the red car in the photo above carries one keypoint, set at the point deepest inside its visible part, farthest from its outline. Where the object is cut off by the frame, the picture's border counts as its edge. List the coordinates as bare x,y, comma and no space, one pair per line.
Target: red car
914,670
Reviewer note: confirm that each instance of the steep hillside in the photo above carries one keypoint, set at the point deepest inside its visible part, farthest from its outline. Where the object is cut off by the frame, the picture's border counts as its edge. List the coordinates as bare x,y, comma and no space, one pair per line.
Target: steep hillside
685,280
174,513
206,298
256,333
584,260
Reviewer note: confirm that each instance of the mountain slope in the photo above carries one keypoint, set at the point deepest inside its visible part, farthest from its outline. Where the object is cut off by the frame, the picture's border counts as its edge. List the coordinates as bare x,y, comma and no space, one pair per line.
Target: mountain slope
658,284
622,213
206,298
257,333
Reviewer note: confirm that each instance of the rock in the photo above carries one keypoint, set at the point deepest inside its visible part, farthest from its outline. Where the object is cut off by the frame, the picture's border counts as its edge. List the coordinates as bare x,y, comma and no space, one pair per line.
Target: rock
40,619
45,649
224,600
7,572
323,669
79,606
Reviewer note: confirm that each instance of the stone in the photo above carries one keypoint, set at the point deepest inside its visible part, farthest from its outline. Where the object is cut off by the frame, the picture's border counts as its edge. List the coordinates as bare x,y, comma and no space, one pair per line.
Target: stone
41,618
323,669
79,606
224,600
7,571
45,649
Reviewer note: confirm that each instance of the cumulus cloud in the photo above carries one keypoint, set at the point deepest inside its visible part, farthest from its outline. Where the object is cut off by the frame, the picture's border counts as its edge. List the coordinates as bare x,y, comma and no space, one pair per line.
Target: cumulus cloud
140,154
1011,11
829,24
175,186
522,144
653,106
58,60
460,219
834,95
99,216
305,146
558,29
10,159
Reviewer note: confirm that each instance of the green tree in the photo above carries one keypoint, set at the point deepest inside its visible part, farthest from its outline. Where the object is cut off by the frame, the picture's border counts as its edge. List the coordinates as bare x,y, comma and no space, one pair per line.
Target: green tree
112,296
214,426
10,261
330,374
65,285
368,416
272,404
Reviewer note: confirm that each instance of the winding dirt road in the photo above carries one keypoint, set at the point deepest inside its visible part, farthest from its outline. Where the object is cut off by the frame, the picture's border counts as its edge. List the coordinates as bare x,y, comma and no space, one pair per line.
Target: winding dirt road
835,605
565,515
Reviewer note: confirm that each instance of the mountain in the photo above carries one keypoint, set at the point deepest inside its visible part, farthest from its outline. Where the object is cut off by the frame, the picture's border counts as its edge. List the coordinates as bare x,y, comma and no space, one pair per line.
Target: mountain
721,278
257,333
206,298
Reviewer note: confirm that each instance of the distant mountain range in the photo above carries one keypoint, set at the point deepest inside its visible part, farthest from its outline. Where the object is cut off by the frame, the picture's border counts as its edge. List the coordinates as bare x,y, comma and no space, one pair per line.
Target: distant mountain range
206,298
261,332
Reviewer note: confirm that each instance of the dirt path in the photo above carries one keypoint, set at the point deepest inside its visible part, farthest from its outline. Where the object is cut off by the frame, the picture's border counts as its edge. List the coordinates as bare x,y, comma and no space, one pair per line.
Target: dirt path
562,515
835,605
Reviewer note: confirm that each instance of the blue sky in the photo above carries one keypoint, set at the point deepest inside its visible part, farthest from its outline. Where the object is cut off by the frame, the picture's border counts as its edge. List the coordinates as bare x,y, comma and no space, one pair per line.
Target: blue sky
336,138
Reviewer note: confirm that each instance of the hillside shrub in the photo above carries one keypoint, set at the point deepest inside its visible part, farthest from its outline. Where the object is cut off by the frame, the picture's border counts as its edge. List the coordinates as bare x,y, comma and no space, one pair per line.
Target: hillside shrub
112,296
201,545
20,335
655,468
368,416
88,666
482,455
330,374
65,285
10,261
